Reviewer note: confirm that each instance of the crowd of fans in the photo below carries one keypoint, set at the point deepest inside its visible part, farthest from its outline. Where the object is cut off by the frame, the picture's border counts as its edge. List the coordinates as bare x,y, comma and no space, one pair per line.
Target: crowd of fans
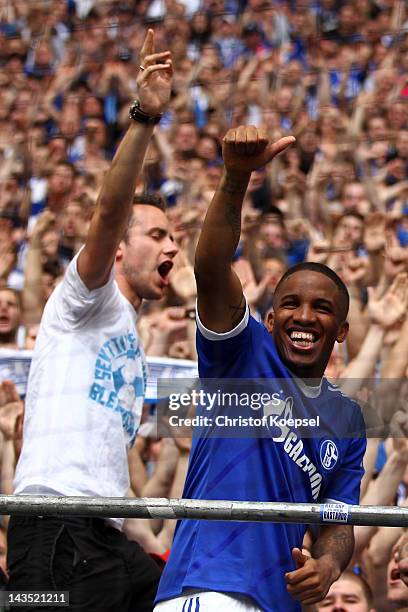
334,74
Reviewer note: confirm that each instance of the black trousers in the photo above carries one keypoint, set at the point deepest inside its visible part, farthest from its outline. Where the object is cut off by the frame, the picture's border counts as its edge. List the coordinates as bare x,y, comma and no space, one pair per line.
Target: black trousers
102,570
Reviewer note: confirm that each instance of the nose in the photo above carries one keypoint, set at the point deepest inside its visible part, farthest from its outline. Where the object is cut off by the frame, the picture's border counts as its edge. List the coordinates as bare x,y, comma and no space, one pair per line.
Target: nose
304,314
170,248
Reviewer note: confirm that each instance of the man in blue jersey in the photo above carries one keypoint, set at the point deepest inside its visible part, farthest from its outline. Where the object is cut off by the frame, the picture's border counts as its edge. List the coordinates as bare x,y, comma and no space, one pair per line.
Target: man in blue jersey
258,566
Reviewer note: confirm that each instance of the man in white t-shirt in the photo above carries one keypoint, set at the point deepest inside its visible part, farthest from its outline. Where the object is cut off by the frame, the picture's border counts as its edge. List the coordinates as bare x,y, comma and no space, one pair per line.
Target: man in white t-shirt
87,383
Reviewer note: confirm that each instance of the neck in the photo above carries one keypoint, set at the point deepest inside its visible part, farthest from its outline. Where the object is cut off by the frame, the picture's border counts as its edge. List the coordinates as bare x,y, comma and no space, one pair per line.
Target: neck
312,376
131,295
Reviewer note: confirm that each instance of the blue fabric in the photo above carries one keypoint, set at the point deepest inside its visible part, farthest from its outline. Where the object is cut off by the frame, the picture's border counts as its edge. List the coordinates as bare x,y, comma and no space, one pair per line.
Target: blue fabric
38,207
110,108
297,251
252,558
402,235
381,458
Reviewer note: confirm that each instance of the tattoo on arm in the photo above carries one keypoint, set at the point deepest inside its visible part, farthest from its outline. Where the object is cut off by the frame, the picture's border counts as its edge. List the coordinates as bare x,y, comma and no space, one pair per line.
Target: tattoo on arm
237,312
337,541
233,217
234,185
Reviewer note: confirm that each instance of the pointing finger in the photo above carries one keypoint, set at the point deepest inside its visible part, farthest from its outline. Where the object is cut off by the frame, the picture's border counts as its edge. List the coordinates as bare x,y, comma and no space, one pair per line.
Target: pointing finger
148,44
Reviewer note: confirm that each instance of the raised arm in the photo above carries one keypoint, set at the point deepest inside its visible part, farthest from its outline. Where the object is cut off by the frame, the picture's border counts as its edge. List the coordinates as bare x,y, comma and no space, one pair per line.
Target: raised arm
33,295
114,203
221,303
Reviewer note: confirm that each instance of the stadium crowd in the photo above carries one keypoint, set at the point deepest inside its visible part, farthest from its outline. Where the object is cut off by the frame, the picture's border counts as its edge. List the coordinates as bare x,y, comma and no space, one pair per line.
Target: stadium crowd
335,75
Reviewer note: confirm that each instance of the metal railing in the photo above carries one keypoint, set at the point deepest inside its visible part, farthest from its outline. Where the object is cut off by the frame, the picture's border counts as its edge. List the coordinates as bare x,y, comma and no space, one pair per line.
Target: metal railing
210,510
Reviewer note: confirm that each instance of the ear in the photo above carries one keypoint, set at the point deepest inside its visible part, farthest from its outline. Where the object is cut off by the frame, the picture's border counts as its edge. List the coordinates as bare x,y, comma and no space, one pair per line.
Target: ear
343,331
270,318
119,252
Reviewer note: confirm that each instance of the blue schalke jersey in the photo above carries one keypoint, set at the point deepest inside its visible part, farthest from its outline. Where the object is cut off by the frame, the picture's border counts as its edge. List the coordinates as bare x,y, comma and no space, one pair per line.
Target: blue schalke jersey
252,558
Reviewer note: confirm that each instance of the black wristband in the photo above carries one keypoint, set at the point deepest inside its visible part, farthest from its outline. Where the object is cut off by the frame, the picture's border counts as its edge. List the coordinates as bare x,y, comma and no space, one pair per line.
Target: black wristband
136,113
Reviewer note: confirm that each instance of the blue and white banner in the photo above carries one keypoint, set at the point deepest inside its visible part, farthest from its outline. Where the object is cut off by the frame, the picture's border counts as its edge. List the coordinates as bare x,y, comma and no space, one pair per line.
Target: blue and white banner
15,366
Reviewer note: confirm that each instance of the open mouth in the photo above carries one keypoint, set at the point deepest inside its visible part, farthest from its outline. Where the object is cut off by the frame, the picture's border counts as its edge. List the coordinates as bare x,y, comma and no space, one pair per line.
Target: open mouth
164,269
4,320
302,339
395,575
395,579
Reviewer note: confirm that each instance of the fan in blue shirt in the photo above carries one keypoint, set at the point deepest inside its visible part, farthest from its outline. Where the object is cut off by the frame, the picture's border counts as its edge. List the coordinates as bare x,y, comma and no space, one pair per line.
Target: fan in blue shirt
262,563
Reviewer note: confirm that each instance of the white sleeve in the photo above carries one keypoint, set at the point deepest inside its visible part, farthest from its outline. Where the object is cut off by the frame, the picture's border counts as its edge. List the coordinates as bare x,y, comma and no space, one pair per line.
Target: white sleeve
74,302
212,335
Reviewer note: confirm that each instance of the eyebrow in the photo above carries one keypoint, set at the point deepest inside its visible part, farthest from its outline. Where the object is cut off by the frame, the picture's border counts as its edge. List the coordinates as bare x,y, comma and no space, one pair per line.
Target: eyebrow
295,296
292,296
159,230
325,301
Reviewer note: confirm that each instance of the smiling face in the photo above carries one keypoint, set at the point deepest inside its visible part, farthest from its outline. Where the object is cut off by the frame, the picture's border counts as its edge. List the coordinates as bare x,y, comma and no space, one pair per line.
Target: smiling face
306,322
145,258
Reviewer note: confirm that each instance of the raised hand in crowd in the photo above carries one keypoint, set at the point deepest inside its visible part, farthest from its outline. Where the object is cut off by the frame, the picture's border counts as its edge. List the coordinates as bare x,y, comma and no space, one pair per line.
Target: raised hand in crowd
154,78
384,313
396,256
352,269
160,329
11,410
374,232
11,429
33,291
391,308
44,222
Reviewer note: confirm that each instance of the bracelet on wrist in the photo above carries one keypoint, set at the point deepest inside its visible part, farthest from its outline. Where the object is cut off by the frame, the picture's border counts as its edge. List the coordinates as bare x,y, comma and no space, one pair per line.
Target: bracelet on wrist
138,115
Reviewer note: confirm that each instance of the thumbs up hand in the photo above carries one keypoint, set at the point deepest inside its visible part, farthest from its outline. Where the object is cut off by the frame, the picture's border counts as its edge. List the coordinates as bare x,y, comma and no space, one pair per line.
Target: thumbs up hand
312,578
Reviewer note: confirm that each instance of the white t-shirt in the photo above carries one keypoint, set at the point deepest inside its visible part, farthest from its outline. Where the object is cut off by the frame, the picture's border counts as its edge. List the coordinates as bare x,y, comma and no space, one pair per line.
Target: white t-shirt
85,393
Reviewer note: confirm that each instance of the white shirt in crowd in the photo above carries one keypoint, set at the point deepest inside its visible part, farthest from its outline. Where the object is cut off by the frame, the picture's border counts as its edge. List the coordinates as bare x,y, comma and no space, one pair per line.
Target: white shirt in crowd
85,393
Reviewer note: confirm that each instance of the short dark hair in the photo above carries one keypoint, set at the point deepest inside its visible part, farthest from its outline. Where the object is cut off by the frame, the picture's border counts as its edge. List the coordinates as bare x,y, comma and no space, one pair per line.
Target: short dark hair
272,215
326,271
351,213
150,199
144,199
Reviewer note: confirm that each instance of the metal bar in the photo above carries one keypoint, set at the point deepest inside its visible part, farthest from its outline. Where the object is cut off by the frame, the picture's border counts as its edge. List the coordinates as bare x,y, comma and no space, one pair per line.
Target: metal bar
275,512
